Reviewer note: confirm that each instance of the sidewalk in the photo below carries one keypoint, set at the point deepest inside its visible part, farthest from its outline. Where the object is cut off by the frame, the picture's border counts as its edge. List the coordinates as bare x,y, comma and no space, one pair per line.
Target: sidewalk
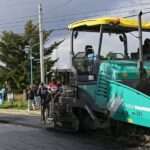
20,117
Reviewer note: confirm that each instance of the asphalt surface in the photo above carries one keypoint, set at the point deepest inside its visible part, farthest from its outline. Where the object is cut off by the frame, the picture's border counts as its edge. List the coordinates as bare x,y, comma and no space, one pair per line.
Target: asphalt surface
24,132
16,137
23,120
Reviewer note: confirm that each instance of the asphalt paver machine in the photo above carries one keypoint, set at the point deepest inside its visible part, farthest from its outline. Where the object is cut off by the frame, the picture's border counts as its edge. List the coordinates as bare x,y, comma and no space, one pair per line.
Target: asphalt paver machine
116,88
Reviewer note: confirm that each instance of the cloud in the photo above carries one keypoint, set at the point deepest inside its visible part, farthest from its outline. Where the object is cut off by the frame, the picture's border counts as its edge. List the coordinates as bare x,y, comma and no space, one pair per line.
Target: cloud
110,43
60,13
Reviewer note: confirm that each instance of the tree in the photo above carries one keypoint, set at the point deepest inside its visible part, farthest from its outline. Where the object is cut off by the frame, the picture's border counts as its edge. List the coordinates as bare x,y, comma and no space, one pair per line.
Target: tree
12,54
31,36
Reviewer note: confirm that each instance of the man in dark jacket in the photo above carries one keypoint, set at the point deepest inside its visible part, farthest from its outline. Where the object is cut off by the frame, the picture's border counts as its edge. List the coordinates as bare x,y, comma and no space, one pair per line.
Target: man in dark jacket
30,97
45,99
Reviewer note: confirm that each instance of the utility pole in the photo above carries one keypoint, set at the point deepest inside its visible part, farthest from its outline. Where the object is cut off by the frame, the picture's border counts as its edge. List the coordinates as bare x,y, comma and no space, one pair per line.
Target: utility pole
41,45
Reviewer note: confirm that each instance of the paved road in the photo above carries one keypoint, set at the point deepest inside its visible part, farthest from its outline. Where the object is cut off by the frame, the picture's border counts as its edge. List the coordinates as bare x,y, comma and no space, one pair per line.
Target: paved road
23,132
24,120
16,137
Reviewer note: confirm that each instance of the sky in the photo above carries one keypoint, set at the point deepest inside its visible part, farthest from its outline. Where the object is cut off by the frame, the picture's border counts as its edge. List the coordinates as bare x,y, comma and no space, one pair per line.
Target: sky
59,13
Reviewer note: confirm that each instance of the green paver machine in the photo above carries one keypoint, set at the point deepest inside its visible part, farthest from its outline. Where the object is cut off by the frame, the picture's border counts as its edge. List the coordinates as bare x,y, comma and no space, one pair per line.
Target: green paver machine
114,87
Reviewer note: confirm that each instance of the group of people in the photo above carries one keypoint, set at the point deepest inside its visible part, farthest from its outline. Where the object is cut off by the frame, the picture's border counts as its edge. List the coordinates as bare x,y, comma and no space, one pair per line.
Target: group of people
42,95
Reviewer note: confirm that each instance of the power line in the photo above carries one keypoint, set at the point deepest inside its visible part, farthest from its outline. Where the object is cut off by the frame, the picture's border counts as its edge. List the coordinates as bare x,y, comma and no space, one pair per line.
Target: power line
59,29
62,4
147,12
101,10
89,14
18,22
64,28
66,19
70,16
20,18
24,3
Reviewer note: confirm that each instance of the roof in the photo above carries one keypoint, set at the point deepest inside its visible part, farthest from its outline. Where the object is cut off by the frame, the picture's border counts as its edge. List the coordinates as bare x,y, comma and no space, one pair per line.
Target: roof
110,24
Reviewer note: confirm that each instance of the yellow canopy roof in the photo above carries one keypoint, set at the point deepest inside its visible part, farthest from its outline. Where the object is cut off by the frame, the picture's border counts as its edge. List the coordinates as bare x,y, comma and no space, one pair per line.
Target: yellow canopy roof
113,24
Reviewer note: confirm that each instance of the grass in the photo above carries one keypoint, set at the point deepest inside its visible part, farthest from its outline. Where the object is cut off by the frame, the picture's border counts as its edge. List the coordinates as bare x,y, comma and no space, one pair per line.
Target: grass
16,104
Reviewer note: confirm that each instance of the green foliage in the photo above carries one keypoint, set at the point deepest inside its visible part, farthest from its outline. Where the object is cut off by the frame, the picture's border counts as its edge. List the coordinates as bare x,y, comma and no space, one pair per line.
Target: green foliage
12,53
48,62
31,36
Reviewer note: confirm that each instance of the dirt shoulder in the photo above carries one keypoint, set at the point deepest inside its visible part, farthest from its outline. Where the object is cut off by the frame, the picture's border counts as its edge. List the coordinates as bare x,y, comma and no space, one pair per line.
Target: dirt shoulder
20,112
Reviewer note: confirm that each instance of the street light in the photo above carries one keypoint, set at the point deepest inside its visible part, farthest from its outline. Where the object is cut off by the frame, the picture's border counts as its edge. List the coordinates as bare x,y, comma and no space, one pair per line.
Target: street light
31,67
28,50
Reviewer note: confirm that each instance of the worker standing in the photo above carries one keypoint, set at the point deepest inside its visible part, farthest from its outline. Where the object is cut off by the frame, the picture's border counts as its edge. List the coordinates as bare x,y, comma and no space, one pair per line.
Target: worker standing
43,93
30,97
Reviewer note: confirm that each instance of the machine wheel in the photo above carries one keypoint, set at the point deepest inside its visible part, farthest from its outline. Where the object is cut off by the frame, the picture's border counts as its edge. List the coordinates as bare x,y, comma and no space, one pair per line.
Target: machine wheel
117,129
114,128
85,122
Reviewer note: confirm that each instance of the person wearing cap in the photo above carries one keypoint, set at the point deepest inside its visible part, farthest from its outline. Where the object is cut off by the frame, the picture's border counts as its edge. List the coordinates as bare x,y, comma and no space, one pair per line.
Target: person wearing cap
90,58
89,52
53,86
